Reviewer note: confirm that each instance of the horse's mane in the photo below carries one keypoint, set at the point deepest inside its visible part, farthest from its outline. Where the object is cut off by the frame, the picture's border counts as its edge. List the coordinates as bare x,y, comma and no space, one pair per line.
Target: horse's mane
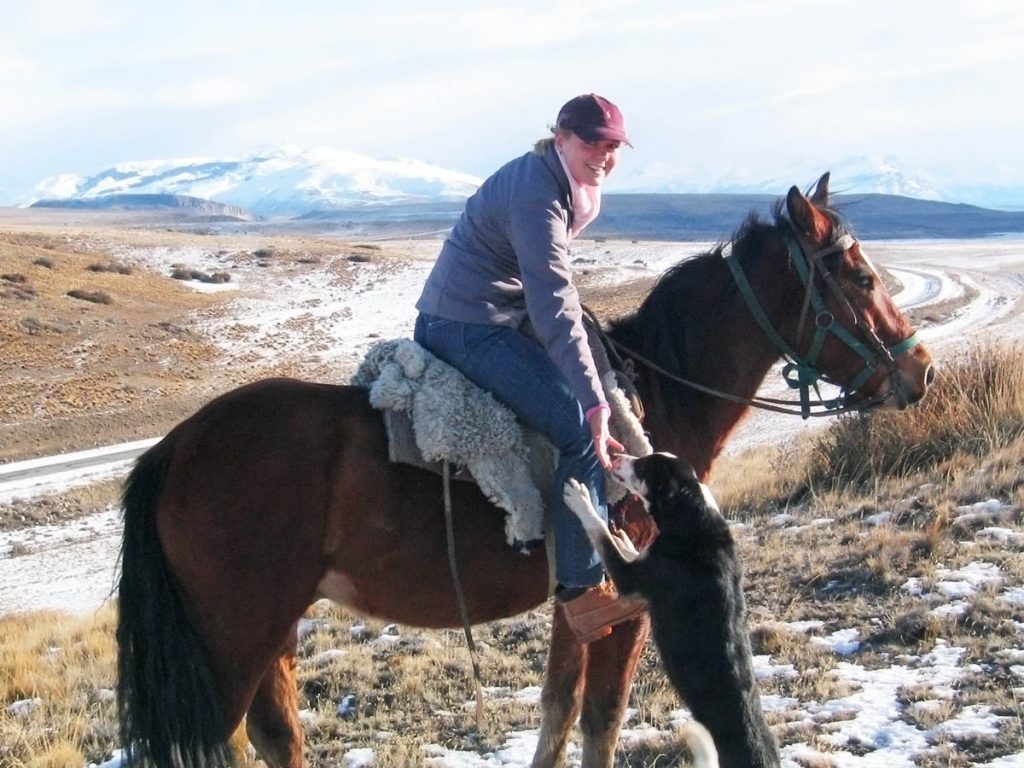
679,282
680,319
678,285
679,315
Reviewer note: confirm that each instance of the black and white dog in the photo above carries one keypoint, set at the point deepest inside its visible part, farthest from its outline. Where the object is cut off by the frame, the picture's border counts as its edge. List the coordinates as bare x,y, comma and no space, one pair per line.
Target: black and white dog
690,577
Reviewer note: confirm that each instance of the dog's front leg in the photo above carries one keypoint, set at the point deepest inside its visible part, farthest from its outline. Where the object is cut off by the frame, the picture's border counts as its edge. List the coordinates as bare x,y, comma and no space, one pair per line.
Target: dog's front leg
577,498
624,545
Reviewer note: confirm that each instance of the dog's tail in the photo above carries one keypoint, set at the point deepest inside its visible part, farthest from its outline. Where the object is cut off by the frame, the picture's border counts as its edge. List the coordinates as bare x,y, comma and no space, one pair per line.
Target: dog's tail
700,744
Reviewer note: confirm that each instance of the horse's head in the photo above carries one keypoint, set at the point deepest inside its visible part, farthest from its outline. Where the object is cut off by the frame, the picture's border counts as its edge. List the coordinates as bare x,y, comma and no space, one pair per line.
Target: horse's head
848,326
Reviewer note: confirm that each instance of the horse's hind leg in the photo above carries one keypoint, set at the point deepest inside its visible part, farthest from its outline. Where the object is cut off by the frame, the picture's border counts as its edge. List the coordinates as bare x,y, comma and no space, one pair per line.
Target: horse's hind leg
272,721
609,675
560,699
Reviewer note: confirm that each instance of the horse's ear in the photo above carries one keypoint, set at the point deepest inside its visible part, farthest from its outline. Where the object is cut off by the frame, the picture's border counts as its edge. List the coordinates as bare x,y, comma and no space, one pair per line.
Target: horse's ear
806,218
820,196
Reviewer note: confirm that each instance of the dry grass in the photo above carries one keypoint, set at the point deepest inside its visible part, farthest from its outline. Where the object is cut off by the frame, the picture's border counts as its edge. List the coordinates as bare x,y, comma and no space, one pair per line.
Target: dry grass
831,535
56,685
976,407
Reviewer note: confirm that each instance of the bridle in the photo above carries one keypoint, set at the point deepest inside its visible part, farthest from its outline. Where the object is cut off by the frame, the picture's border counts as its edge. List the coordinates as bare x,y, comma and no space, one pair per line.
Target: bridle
801,371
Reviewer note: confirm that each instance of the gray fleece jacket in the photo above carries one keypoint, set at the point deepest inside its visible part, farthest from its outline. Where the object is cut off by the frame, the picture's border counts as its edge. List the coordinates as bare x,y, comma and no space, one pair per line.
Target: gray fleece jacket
507,259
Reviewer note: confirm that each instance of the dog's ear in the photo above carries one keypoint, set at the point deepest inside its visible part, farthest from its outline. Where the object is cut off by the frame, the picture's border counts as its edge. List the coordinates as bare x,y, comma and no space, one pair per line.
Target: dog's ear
688,470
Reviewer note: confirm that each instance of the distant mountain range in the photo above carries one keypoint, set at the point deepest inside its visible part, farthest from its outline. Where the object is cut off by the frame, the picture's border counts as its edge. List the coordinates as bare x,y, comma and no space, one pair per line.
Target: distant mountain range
328,189
679,217
872,217
194,207
289,181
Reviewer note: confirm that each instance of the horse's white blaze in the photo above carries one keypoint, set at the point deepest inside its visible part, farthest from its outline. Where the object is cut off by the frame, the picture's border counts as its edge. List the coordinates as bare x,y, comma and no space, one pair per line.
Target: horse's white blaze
870,263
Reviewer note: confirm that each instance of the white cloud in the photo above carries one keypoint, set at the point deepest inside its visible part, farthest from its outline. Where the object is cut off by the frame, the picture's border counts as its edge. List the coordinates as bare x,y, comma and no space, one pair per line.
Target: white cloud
206,92
730,86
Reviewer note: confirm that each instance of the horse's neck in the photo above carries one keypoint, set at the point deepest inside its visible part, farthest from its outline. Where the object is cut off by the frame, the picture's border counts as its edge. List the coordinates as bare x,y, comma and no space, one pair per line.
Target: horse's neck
731,357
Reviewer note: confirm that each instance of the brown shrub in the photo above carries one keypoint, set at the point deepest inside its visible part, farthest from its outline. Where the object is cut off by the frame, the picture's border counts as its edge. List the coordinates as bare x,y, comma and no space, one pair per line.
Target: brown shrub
111,266
96,297
185,273
33,325
16,286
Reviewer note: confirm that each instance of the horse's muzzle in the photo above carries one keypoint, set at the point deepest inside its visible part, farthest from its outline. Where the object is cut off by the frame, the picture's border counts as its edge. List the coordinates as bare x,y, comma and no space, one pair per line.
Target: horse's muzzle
908,381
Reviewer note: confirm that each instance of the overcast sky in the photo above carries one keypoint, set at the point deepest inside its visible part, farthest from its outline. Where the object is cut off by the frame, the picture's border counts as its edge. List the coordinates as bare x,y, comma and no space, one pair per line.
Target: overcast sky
745,87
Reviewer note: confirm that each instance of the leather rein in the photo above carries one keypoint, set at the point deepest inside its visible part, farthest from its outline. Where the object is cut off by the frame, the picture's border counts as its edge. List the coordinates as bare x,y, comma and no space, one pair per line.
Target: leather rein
799,371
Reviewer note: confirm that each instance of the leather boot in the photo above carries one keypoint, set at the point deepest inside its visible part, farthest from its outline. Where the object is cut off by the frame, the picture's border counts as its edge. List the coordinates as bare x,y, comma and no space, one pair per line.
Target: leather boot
592,614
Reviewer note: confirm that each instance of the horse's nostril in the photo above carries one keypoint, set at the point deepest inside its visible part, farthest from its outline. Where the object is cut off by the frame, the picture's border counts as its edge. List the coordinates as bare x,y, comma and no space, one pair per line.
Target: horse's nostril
929,376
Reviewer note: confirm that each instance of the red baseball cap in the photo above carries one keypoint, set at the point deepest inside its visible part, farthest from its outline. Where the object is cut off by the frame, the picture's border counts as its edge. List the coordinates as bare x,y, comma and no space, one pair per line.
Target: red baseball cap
592,118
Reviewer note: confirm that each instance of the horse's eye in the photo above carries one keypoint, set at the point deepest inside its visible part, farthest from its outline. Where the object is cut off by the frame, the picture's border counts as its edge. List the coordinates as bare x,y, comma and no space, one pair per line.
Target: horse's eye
865,281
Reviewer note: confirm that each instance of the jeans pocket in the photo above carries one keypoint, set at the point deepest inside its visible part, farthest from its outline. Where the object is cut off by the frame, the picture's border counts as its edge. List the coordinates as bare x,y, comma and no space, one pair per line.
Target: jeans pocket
442,337
437,324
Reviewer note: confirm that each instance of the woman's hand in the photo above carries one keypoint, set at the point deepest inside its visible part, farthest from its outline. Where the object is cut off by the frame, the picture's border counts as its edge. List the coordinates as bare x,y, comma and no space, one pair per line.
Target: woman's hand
604,443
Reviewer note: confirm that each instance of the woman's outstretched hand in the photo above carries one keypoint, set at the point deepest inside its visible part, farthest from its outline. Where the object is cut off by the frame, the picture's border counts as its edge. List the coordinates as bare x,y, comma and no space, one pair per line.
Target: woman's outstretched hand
604,443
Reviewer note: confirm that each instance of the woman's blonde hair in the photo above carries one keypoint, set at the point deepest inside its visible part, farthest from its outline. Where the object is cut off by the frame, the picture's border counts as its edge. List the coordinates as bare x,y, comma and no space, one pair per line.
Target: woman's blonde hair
543,145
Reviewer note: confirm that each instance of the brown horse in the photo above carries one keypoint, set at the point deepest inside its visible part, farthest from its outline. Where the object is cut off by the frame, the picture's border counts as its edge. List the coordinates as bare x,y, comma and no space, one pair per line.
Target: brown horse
280,493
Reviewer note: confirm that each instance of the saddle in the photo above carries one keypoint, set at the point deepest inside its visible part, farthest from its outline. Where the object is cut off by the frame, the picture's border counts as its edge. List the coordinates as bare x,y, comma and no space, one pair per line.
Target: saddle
433,414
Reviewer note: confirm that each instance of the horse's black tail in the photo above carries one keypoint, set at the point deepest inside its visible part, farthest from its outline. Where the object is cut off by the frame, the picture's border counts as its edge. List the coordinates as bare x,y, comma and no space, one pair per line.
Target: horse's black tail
168,706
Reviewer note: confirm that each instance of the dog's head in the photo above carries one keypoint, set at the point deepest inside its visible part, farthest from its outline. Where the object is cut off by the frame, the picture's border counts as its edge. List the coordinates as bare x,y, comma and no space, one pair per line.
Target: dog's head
663,481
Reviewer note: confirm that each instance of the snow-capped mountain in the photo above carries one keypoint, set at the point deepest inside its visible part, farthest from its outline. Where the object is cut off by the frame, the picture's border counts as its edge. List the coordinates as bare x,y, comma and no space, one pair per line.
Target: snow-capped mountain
287,181
851,175
279,181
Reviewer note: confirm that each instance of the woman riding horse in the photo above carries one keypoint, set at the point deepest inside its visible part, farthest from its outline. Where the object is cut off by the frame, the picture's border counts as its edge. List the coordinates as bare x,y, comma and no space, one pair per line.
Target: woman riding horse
506,265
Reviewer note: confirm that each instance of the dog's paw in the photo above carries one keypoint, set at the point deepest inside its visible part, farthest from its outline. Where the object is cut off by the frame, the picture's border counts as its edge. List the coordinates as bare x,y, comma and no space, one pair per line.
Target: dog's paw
576,496
577,499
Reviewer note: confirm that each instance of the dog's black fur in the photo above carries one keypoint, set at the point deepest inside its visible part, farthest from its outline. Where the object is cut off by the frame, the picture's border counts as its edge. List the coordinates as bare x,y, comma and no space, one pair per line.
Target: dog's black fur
690,577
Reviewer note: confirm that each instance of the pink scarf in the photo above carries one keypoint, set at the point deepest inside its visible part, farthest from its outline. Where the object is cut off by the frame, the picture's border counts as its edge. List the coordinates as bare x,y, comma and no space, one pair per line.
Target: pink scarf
586,201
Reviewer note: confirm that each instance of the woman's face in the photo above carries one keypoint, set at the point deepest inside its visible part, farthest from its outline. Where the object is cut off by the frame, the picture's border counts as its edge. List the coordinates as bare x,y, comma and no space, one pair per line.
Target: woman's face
589,161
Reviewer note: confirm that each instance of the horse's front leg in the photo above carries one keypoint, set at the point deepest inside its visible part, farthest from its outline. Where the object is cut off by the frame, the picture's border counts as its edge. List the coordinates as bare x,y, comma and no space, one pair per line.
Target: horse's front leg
609,676
563,688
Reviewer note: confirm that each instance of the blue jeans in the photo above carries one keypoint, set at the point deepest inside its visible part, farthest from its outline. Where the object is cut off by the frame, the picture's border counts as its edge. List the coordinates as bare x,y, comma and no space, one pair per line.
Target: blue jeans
519,373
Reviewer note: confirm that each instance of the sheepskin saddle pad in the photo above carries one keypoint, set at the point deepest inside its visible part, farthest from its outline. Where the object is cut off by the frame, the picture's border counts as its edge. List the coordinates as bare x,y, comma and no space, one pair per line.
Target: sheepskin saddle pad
433,413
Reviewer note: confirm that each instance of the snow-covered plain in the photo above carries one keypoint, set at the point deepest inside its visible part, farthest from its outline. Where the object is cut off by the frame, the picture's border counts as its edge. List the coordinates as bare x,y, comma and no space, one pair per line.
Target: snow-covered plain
72,567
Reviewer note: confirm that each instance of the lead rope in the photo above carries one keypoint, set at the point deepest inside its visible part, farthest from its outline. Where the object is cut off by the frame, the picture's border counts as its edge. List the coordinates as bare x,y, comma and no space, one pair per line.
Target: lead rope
460,596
